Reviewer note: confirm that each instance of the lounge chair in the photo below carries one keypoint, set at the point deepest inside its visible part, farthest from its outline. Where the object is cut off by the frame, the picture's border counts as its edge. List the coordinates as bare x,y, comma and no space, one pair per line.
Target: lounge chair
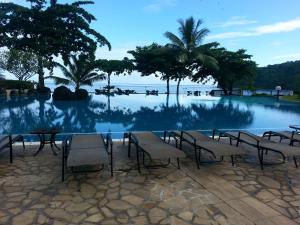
7,141
87,150
154,147
202,142
292,136
262,144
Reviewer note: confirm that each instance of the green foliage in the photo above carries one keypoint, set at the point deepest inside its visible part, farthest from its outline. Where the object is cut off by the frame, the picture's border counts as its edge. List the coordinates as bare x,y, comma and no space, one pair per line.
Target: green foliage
114,67
234,68
49,29
23,65
286,75
190,51
79,70
158,60
15,84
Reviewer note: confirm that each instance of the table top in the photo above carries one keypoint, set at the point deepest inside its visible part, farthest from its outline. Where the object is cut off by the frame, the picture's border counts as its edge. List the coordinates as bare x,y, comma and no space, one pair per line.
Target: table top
45,131
296,127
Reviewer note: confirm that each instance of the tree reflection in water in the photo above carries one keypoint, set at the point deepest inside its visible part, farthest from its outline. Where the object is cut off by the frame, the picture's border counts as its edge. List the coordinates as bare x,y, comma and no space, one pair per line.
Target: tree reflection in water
21,115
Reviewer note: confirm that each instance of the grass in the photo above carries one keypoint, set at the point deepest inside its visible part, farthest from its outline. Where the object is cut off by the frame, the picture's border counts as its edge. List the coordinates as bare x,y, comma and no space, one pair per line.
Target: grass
293,98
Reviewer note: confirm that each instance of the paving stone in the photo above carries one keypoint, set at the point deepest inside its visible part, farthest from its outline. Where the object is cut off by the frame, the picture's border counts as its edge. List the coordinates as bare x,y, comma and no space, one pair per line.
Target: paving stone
269,182
188,216
87,190
157,214
140,220
78,207
96,218
132,199
25,218
118,205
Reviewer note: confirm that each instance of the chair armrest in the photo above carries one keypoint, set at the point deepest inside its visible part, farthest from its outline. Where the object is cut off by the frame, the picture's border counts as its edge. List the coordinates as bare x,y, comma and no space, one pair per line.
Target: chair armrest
66,145
109,143
249,135
189,135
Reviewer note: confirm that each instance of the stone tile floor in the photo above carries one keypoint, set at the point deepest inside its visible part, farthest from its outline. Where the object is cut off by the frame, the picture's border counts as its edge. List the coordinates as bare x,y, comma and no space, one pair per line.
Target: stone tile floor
31,192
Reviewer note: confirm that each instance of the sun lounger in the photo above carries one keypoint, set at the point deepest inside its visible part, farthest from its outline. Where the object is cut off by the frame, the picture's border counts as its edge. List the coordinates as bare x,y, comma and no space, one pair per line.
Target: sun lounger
262,144
7,141
154,147
292,136
87,150
202,142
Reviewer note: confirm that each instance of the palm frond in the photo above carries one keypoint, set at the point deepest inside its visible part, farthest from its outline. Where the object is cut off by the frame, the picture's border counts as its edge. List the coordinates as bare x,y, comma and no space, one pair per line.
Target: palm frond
60,80
174,39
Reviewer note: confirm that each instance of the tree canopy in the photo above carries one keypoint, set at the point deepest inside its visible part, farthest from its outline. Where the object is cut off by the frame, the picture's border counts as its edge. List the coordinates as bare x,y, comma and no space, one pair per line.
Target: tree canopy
190,50
158,60
116,67
23,65
49,29
79,70
233,67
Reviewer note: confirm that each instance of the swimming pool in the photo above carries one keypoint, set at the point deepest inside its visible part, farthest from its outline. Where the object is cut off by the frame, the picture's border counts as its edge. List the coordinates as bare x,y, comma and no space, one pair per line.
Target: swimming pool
140,112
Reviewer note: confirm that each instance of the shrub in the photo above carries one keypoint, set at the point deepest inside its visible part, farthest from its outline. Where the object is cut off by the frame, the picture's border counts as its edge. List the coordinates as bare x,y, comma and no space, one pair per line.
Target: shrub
15,84
2,91
81,94
62,93
43,90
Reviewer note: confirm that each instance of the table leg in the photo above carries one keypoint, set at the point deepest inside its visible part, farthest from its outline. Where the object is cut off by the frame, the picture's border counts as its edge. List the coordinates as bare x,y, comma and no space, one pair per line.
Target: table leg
52,143
42,138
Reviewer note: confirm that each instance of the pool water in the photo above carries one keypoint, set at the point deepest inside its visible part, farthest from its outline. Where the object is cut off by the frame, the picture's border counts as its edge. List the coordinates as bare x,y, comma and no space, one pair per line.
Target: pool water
118,114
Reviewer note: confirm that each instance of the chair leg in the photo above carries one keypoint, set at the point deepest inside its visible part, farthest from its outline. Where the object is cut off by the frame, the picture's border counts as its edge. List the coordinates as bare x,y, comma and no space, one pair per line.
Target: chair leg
63,167
295,161
23,143
261,159
178,164
138,159
10,150
232,160
129,148
111,164
196,158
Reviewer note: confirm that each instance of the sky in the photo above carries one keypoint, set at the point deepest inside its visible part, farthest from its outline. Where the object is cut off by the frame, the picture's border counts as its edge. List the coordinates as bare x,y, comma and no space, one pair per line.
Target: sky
268,29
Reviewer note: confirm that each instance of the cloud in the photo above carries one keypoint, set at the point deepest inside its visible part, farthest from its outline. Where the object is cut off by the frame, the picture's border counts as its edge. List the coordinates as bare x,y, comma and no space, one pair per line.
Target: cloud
158,5
236,21
290,56
119,52
279,27
19,2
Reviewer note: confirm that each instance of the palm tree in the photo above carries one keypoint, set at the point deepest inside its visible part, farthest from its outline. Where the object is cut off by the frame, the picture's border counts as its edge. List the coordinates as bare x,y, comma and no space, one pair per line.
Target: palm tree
79,70
191,52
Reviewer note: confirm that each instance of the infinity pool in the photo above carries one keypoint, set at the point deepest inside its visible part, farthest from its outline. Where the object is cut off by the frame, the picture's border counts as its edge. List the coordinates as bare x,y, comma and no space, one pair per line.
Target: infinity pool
140,112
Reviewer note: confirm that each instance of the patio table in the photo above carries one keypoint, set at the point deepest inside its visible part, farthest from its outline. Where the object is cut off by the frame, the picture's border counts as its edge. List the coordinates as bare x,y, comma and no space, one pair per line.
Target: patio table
46,136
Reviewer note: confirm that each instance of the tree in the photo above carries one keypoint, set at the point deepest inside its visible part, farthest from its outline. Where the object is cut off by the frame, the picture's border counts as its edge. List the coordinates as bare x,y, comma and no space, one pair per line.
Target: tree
158,60
234,67
190,51
23,65
79,70
49,30
114,67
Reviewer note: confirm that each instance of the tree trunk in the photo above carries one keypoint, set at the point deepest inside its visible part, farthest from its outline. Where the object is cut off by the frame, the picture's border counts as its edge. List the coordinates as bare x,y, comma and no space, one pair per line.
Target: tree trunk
41,72
167,102
77,87
168,86
108,82
20,86
178,84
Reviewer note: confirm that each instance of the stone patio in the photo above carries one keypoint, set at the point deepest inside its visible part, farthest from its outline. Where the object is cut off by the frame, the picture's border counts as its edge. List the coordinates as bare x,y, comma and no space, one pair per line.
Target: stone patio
31,192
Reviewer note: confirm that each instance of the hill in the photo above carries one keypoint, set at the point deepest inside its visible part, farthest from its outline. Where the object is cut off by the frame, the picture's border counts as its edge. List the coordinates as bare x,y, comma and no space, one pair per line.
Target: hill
286,75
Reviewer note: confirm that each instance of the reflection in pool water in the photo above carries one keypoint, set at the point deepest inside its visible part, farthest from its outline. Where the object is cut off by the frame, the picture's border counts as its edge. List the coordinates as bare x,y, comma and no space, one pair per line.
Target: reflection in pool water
140,112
